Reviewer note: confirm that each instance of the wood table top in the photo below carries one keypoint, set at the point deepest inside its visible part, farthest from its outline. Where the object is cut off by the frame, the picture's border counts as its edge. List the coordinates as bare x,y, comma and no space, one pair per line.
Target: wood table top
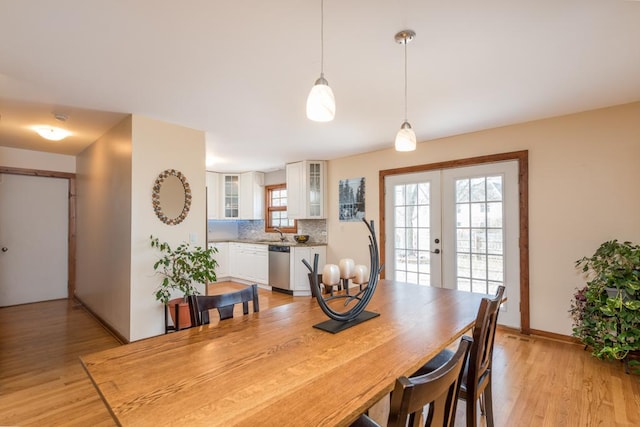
274,368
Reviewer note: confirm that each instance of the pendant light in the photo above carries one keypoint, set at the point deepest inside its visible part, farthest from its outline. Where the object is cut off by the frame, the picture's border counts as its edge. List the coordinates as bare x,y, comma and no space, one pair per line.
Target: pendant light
406,137
321,105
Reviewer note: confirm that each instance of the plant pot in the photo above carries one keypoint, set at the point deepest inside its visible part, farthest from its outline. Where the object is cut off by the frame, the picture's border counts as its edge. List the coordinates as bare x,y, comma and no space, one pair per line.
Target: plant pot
179,310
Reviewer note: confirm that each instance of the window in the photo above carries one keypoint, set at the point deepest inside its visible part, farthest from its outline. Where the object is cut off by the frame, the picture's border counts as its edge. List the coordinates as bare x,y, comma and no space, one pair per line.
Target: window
276,210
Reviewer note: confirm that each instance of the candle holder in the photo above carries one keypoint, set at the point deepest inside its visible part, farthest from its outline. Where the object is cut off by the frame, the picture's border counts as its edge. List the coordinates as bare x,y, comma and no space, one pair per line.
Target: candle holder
360,275
330,277
339,321
347,271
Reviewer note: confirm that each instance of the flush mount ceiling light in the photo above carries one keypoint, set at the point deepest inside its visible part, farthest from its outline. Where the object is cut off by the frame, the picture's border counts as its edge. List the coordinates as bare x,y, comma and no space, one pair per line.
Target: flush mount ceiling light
321,104
53,133
406,137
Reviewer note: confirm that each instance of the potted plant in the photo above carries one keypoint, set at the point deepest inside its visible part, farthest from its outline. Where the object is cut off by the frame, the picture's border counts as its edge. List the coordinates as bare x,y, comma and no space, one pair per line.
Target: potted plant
181,269
606,312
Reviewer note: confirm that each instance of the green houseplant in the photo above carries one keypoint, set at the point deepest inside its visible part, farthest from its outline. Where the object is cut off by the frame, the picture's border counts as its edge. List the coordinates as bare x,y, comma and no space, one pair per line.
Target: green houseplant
181,269
606,312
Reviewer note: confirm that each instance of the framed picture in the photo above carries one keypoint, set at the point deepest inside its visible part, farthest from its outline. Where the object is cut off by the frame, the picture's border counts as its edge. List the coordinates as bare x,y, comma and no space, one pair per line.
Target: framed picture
351,199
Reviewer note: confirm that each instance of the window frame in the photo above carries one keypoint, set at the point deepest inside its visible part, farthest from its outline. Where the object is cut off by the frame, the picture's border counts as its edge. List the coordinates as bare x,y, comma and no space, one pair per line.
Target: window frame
268,190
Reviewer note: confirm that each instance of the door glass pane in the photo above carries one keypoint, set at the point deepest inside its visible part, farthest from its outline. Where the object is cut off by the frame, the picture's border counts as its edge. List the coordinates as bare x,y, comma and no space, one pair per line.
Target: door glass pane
494,214
478,240
462,191
462,215
479,234
478,215
494,241
478,190
412,232
463,266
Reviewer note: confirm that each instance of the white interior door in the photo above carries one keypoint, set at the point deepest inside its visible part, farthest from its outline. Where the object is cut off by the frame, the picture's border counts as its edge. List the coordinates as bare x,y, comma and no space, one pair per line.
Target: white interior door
457,228
412,205
33,236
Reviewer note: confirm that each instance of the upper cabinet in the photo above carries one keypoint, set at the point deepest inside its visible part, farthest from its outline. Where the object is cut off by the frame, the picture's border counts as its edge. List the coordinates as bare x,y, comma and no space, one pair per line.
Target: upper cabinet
213,195
306,189
235,196
230,196
251,195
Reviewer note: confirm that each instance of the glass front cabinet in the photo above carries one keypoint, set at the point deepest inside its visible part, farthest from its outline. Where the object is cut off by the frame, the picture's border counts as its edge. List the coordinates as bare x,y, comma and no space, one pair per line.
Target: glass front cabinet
235,196
306,189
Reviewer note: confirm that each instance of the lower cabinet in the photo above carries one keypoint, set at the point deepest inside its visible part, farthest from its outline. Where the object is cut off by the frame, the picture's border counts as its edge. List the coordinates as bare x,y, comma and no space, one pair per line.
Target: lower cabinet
299,272
222,258
249,262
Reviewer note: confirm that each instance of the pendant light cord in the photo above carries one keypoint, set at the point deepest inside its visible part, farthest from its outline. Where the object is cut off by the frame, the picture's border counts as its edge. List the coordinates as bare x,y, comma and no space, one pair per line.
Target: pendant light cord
321,38
405,80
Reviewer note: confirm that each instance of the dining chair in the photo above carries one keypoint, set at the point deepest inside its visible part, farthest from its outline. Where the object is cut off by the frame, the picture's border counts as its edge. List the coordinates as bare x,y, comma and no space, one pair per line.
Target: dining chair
199,305
476,383
438,389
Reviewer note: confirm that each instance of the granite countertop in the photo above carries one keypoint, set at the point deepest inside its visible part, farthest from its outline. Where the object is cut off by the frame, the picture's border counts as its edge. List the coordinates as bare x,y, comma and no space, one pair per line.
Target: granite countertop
267,242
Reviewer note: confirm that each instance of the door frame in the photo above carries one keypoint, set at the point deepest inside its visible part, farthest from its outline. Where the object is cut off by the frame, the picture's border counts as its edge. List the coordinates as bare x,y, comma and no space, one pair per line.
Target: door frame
71,239
522,157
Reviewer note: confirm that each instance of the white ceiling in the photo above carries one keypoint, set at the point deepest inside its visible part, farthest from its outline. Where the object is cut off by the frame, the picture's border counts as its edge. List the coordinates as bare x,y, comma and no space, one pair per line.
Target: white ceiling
241,70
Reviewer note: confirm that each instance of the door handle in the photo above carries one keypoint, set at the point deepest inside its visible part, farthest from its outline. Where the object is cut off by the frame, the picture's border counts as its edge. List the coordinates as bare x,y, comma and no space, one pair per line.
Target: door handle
437,251
5,249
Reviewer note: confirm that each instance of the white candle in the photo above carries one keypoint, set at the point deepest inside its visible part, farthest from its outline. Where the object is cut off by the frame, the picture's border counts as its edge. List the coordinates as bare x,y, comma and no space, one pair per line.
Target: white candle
361,274
330,274
346,268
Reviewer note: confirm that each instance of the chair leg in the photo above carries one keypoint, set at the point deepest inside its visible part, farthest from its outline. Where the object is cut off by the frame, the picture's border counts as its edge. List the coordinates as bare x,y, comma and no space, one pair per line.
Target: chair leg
488,403
472,415
481,399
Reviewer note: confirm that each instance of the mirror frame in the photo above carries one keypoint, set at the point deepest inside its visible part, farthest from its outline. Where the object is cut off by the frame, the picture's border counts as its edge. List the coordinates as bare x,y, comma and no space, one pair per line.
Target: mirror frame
155,197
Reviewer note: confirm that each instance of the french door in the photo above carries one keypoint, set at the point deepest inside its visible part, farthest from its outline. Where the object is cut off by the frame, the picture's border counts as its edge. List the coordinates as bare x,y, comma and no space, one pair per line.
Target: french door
456,228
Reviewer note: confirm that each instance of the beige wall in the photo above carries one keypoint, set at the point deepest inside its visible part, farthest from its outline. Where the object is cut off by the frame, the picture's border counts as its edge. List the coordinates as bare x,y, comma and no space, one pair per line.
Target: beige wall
158,146
583,179
103,255
115,276
28,159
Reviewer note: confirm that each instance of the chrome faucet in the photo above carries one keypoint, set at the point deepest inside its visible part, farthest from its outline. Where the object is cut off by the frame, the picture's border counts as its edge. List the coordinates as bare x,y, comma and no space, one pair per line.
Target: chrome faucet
281,235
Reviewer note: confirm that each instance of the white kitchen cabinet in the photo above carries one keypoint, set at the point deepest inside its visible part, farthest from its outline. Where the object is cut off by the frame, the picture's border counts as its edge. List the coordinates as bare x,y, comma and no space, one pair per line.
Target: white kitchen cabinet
306,189
251,203
249,262
230,196
213,195
298,271
222,258
235,196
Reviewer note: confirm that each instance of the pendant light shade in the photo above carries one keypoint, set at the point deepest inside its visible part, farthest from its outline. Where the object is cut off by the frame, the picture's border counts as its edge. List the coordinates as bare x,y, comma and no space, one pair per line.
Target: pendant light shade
321,104
406,137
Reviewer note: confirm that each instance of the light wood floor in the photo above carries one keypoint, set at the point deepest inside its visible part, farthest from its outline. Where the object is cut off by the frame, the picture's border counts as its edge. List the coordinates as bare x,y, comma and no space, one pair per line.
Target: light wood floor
537,382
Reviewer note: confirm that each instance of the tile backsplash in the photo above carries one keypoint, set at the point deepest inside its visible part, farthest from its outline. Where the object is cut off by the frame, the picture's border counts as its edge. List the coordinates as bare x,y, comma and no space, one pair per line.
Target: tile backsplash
254,230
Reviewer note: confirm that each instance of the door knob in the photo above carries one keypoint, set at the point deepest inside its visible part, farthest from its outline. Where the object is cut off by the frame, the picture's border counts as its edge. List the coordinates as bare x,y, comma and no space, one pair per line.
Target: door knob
437,251
5,249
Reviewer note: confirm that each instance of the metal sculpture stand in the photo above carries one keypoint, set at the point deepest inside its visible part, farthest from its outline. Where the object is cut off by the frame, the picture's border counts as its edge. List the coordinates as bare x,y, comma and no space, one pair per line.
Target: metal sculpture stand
339,321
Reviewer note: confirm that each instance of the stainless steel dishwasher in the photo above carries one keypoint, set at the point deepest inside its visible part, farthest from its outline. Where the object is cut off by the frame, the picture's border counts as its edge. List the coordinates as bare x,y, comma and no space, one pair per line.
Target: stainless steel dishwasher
279,268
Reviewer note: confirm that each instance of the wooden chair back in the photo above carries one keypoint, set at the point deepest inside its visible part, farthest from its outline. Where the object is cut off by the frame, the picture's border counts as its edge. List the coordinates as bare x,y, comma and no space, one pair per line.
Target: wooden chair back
481,354
438,388
199,305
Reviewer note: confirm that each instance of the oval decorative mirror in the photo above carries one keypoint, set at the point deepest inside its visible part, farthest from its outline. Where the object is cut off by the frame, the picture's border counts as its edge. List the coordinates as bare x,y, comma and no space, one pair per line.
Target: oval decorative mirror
171,197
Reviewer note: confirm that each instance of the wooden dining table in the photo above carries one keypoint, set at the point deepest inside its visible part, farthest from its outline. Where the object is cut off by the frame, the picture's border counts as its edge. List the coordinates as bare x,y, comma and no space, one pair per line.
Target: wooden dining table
273,368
